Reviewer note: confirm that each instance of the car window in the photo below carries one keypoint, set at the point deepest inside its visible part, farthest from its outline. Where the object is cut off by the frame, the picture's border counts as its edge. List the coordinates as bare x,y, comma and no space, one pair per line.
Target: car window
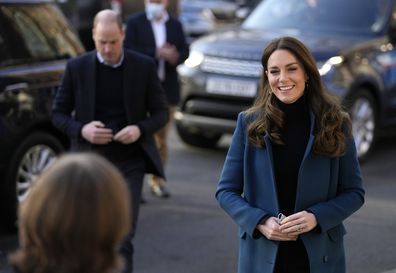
36,33
35,40
353,16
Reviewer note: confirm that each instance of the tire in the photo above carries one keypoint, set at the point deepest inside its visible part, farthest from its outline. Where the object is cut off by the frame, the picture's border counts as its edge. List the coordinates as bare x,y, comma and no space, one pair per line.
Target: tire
197,139
34,154
364,115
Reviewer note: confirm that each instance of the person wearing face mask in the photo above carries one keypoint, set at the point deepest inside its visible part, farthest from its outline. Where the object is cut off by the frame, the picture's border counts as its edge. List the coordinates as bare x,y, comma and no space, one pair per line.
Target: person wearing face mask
291,175
154,11
157,34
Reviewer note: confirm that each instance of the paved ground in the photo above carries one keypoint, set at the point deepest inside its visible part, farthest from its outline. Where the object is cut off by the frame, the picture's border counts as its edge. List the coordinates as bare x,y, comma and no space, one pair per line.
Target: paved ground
189,233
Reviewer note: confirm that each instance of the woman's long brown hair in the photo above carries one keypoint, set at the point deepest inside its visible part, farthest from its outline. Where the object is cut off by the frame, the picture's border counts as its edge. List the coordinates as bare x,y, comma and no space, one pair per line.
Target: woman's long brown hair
332,124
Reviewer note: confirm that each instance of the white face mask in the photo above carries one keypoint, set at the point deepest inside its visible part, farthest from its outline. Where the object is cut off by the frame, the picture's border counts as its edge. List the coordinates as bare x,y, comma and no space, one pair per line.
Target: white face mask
154,10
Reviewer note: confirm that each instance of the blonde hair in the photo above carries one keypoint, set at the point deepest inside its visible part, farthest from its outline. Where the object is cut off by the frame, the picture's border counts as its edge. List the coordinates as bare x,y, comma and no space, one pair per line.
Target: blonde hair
74,218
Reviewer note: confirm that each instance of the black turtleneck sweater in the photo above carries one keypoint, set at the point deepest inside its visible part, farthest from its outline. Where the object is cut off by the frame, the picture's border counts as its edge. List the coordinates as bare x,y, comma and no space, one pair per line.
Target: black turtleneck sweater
292,256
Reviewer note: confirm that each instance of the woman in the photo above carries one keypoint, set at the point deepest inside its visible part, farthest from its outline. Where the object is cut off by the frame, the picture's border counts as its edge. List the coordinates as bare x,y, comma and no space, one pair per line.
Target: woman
292,154
74,218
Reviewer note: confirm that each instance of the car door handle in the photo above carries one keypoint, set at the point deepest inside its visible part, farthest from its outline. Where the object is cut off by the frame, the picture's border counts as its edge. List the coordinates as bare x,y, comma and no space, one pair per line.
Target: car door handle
16,87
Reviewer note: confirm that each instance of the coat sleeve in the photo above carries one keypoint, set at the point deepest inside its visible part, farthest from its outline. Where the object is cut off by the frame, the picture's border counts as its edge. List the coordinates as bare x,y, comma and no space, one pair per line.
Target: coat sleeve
63,106
157,105
182,46
350,193
230,188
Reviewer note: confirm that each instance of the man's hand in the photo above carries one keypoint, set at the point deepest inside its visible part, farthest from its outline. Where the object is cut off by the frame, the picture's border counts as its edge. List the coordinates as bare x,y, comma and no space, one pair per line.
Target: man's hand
298,223
169,53
96,133
271,230
128,135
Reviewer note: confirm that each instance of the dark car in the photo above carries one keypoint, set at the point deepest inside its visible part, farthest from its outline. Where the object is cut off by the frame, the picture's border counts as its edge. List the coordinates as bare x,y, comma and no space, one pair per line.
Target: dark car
80,14
354,45
33,53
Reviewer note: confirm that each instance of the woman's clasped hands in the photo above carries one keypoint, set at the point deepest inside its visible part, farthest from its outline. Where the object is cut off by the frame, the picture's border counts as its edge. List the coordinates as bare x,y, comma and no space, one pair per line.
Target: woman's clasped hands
287,228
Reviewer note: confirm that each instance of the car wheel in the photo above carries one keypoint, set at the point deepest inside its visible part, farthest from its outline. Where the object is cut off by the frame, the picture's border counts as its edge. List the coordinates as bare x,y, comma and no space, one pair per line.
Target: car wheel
197,139
33,155
364,113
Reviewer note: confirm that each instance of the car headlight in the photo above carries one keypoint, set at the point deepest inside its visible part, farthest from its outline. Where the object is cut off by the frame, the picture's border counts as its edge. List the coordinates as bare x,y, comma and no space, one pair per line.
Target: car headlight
194,59
327,66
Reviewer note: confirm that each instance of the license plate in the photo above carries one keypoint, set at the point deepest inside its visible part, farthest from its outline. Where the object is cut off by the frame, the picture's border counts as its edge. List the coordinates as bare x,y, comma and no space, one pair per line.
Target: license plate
231,87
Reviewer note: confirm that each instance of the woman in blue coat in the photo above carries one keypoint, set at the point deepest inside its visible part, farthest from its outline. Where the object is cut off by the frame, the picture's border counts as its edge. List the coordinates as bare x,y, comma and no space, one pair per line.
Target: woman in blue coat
291,175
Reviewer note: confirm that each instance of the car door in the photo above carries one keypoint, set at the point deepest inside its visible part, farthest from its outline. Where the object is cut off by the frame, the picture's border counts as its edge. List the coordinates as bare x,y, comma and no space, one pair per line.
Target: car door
35,43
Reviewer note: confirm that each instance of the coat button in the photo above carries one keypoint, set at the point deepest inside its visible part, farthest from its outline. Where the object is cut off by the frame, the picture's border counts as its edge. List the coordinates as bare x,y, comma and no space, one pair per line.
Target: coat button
325,259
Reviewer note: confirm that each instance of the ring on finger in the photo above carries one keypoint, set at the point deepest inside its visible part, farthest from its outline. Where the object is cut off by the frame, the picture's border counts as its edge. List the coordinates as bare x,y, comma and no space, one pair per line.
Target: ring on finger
299,228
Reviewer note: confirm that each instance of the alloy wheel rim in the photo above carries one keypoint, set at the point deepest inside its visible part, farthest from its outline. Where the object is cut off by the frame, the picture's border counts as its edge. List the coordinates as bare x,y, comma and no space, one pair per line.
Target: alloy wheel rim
36,160
363,125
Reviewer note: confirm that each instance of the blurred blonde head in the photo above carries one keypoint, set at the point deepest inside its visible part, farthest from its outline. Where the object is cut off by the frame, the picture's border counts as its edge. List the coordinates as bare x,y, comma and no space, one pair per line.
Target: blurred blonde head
74,218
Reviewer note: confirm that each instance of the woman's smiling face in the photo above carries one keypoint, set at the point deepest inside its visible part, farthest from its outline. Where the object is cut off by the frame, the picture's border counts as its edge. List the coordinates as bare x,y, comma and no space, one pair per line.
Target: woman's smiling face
286,76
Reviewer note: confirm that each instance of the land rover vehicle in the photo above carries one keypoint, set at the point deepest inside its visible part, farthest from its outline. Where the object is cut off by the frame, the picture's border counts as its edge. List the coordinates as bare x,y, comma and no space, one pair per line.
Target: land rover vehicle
354,45
35,42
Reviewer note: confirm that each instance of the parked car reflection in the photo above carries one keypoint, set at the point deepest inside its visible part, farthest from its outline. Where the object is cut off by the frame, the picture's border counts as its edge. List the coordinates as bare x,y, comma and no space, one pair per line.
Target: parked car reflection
33,54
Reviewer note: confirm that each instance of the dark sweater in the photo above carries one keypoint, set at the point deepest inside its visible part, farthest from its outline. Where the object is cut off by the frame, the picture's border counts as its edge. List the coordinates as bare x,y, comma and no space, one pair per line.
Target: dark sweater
109,106
110,109
292,256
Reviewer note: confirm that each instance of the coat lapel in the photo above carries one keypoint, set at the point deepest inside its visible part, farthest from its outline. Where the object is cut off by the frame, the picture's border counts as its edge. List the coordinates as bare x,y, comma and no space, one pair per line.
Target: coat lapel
130,84
90,87
149,31
306,187
273,189
311,138
169,33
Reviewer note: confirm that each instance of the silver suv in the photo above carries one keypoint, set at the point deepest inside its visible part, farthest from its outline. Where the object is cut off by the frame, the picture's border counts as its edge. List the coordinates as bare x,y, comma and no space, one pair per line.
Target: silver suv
353,42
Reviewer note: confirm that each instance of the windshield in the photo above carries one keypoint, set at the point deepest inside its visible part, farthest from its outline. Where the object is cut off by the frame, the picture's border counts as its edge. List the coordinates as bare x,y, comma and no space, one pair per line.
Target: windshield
353,16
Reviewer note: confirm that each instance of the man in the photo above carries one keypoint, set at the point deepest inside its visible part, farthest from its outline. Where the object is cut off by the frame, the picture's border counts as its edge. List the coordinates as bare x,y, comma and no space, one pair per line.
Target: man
111,102
160,36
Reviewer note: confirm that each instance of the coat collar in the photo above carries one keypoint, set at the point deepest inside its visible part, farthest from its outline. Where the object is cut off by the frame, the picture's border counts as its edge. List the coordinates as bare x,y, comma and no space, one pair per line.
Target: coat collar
102,60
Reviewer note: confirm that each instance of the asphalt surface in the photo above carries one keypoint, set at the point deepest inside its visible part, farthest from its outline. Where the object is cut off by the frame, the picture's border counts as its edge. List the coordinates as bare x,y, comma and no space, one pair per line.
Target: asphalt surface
189,233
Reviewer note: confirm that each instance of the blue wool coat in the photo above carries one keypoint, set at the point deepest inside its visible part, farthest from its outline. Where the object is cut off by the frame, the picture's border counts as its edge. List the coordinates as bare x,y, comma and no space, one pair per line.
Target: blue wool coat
329,187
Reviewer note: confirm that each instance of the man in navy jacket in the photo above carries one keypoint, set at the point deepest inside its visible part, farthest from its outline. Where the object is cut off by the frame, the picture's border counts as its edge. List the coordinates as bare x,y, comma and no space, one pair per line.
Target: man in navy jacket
111,102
